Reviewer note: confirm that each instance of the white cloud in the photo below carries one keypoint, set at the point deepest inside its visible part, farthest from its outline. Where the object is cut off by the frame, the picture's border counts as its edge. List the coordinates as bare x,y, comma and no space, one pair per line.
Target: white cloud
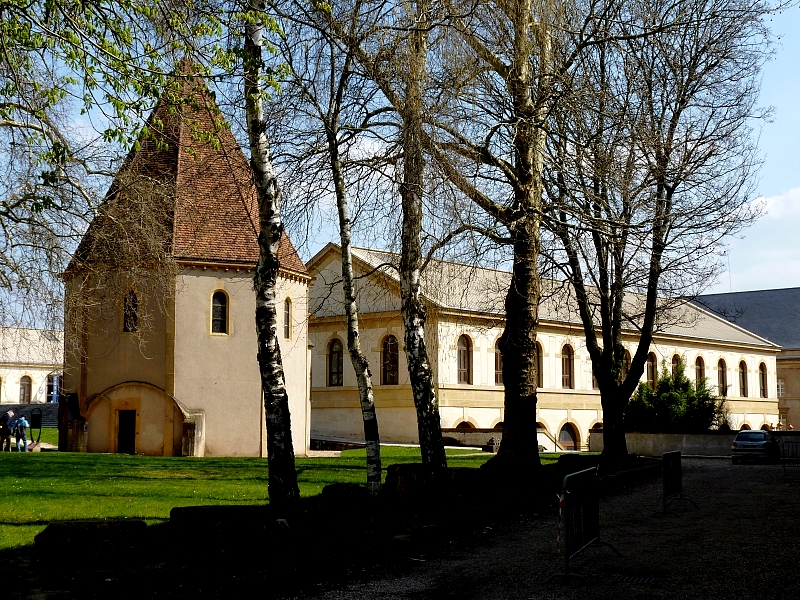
784,205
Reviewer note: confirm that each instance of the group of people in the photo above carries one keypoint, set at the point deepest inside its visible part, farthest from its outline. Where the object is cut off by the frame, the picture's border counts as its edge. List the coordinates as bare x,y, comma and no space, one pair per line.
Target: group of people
18,427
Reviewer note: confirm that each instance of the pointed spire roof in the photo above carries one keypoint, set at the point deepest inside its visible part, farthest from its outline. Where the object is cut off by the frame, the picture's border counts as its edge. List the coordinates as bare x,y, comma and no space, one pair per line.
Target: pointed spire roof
189,154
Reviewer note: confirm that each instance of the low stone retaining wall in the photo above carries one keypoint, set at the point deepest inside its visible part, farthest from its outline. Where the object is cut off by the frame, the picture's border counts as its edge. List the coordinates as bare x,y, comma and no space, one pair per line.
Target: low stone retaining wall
713,443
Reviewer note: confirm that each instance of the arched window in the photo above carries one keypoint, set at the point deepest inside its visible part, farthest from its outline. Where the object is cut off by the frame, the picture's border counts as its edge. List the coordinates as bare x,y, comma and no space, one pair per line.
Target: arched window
699,370
567,368
219,312
464,360
538,358
25,390
676,360
335,364
651,370
722,378
762,380
568,437
390,372
130,312
498,364
744,427
287,319
465,425
626,366
743,379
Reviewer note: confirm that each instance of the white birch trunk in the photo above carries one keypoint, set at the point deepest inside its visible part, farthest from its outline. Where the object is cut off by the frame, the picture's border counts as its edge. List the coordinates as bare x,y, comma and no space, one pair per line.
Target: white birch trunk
283,490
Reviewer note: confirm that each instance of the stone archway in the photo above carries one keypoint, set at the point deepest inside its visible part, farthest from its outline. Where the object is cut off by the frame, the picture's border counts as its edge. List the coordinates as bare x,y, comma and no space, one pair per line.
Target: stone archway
139,418
568,437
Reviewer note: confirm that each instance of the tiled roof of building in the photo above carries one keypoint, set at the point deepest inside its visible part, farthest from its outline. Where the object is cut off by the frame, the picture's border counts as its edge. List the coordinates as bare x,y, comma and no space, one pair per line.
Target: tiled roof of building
772,314
193,160
460,287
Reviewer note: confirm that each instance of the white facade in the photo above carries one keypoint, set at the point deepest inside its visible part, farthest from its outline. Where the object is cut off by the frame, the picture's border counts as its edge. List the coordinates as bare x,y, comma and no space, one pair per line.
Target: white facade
473,311
35,354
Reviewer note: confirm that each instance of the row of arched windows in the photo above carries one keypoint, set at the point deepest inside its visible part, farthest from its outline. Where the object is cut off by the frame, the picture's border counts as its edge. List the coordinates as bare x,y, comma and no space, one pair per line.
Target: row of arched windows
390,358
722,374
219,314
390,371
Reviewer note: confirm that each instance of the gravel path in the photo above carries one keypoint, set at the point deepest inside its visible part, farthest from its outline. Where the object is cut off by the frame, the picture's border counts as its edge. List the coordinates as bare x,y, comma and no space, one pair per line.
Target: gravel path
742,542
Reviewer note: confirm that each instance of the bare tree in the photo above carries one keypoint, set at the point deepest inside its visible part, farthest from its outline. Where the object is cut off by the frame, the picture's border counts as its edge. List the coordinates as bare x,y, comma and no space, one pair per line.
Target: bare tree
330,101
393,53
648,173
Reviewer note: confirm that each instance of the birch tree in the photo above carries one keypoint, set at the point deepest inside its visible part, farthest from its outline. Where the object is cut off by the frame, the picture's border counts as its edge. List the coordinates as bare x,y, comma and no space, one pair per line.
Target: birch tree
283,490
393,53
331,99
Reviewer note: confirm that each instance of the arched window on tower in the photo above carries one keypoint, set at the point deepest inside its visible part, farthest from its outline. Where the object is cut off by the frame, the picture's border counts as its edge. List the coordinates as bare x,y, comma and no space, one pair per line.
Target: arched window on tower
219,312
335,364
130,312
464,360
390,372
287,319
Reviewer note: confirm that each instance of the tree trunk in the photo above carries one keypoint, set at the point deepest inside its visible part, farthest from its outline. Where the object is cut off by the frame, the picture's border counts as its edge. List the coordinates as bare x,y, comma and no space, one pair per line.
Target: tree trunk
283,491
518,347
413,306
357,358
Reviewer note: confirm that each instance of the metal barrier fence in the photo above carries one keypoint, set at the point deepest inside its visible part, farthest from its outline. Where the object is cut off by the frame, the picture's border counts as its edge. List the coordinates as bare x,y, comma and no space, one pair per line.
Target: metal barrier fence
790,454
672,474
579,517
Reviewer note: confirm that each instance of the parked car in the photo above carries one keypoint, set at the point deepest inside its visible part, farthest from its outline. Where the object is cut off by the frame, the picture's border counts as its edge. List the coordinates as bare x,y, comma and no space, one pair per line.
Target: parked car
755,445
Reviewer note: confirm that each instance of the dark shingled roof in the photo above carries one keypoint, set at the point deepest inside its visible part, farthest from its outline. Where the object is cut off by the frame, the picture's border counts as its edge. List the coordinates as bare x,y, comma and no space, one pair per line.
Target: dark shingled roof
192,153
772,314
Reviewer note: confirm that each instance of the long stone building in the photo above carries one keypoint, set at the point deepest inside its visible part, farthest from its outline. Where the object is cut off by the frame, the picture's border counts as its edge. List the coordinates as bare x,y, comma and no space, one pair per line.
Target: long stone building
465,321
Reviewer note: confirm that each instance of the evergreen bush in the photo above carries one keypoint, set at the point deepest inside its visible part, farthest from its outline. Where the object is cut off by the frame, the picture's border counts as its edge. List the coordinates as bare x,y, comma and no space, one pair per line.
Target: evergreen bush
676,405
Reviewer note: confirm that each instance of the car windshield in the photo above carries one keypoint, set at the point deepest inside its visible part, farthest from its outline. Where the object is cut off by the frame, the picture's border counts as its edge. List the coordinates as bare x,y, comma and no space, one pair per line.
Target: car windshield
751,436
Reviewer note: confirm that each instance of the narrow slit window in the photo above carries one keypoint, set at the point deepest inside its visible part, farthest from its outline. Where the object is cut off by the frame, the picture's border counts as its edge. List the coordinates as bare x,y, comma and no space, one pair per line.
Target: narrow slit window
130,312
219,313
287,319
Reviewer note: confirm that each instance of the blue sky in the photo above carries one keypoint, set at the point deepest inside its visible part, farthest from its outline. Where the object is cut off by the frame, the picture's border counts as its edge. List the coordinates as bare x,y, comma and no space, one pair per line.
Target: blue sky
766,256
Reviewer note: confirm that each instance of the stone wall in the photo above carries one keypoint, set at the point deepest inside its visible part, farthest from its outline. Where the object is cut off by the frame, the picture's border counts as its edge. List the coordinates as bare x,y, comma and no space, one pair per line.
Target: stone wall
713,443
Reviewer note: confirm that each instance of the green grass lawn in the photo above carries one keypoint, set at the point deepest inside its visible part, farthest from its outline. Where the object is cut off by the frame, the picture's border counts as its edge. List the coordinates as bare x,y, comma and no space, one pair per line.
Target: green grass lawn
37,488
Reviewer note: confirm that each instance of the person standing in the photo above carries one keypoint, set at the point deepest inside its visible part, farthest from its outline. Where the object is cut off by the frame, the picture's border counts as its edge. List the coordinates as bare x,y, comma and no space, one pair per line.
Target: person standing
20,432
5,431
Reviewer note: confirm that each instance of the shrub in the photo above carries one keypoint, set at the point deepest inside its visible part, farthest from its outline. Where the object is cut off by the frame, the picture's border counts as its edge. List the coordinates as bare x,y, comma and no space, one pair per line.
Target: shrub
677,405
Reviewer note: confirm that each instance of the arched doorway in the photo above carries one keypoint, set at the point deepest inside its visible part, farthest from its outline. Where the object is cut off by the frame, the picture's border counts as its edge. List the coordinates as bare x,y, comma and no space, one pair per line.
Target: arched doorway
568,437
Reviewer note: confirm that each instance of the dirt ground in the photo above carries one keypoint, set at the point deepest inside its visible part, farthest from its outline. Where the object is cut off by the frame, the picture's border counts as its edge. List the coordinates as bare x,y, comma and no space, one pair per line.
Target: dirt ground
743,541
